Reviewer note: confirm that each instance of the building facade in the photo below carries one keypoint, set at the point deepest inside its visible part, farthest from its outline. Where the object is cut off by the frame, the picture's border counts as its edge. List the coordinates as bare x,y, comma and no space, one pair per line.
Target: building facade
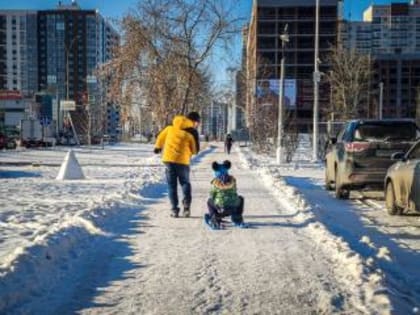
18,51
57,52
265,49
390,34
241,86
72,43
215,120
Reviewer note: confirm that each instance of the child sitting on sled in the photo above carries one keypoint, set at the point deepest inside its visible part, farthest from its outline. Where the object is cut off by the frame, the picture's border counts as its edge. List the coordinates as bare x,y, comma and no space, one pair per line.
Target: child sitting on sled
224,200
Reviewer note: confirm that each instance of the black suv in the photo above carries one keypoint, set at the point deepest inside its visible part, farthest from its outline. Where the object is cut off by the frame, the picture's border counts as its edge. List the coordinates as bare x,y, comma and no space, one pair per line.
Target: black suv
361,153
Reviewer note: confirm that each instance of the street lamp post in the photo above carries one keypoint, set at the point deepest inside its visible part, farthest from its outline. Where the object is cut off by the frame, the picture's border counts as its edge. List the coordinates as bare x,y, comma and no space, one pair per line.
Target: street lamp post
279,152
316,78
381,99
232,117
67,49
91,83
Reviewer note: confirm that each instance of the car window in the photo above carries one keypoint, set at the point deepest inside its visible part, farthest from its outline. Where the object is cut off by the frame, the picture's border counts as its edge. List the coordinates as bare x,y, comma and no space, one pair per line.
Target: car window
387,132
415,152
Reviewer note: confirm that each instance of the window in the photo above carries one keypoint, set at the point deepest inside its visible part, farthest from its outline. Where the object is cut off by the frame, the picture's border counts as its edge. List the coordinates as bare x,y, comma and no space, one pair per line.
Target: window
391,131
266,28
266,42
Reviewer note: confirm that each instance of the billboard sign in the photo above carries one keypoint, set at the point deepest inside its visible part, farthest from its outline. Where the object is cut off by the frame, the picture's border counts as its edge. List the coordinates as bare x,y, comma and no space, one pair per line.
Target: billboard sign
290,93
268,92
10,95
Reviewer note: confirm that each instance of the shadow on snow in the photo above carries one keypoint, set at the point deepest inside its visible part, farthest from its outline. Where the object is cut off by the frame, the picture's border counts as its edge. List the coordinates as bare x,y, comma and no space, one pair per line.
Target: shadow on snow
17,174
115,254
344,219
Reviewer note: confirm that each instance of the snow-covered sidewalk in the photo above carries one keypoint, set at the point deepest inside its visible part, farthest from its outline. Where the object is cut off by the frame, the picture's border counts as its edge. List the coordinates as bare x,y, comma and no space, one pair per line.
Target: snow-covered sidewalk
106,245
178,266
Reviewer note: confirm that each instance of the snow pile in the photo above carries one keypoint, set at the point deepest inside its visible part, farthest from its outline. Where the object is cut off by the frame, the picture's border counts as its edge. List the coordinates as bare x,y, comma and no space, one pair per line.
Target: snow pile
70,169
46,223
351,269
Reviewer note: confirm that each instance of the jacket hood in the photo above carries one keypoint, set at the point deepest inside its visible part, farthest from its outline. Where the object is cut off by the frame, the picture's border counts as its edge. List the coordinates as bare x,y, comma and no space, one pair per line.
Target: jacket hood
182,122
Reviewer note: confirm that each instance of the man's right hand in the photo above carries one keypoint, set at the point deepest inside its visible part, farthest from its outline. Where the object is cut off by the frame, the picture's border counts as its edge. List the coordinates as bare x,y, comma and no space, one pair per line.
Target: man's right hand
157,150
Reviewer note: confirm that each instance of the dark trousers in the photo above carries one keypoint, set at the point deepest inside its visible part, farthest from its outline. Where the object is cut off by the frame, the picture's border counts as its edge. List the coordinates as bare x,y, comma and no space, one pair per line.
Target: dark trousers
234,212
228,148
178,173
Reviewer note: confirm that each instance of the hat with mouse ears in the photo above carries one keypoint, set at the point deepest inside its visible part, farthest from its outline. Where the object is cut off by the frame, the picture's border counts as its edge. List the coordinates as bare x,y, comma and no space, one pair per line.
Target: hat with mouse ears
221,171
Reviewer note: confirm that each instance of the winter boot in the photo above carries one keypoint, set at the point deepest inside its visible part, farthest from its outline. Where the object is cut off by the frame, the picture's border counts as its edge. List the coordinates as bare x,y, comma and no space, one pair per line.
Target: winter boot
238,220
212,222
175,213
187,211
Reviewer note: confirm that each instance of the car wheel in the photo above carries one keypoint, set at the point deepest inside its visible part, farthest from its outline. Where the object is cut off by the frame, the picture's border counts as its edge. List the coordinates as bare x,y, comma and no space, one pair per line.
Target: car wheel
390,203
340,191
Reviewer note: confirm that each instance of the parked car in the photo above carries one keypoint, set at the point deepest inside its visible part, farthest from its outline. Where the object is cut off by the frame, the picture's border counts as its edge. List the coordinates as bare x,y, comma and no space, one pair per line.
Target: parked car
361,154
402,181
3,141
7,142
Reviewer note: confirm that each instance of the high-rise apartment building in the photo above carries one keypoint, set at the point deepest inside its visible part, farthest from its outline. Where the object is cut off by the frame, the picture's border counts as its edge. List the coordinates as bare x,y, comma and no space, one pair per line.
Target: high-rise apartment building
71,44
18,51
216,120
390,34
270,19
57,52
241,86
385,29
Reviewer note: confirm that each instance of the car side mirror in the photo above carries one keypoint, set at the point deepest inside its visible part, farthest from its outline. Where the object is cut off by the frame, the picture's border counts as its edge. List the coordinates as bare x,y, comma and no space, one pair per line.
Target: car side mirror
398,156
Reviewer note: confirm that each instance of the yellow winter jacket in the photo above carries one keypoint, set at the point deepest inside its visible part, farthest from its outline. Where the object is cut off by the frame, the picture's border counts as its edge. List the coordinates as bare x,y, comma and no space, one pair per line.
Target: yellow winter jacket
179,141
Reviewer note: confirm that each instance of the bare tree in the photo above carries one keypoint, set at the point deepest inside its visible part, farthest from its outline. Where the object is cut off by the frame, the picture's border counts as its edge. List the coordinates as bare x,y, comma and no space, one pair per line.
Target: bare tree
166,44
262,109
349,79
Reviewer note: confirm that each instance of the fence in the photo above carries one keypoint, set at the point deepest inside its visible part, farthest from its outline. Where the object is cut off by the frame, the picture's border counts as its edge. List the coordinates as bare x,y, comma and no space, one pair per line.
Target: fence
326,130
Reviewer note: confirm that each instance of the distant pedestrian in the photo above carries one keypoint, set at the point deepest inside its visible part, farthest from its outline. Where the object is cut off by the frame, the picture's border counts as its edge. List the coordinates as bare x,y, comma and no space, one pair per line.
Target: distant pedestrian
228,143
179,142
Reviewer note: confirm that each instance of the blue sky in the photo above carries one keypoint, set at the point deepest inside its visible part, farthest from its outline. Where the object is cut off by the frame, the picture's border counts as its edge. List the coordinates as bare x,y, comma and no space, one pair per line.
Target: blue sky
116,8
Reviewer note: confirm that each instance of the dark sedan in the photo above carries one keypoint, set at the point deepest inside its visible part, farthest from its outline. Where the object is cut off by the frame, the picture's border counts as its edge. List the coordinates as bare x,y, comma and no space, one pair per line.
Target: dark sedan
361,154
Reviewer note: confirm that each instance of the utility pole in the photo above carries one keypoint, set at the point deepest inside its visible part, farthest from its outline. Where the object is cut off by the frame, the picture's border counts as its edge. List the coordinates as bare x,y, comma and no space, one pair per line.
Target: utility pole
232,99
381,99
316,79
91,83
279,152
68,48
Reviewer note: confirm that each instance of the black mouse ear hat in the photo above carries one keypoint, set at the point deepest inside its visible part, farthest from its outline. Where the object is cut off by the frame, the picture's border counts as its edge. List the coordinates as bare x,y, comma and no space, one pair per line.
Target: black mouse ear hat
216,166
227,164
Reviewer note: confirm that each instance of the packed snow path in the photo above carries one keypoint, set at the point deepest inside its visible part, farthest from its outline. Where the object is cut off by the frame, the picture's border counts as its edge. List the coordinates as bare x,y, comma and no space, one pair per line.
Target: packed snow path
178,266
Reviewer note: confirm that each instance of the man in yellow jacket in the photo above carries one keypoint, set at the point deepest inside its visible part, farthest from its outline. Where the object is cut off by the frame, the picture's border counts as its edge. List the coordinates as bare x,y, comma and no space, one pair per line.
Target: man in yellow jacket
179,142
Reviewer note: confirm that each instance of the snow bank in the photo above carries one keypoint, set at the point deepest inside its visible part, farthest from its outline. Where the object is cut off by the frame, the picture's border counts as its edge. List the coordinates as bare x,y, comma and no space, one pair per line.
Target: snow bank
79,217
38,250
352,270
